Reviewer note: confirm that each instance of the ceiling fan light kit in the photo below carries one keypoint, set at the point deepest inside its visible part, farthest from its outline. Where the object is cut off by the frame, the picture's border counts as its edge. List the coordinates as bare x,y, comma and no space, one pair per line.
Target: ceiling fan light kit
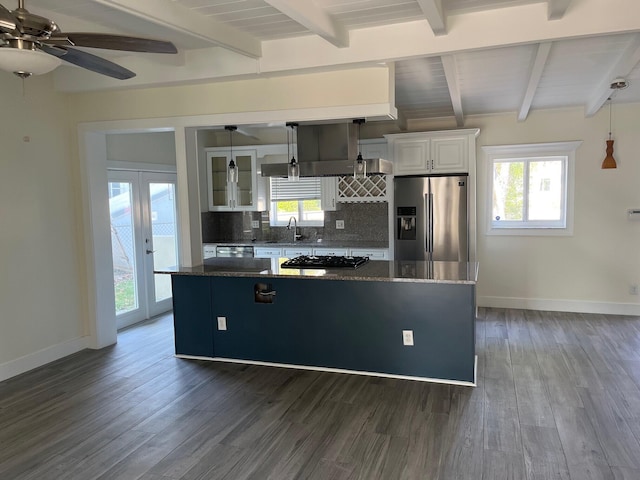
25,63
34,45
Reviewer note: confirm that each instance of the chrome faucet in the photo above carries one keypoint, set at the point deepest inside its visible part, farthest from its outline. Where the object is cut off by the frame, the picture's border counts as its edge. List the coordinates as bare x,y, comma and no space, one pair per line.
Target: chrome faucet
295,228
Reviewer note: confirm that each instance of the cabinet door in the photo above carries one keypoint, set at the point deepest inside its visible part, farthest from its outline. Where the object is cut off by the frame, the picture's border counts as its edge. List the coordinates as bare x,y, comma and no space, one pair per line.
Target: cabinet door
411,157
219,193
329,194
372,253
331,252
246,189
450,155
267,252
297,251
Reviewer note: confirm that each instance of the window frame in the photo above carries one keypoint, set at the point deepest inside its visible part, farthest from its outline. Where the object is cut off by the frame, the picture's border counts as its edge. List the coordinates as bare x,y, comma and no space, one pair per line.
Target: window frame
530,153
273,220
314,193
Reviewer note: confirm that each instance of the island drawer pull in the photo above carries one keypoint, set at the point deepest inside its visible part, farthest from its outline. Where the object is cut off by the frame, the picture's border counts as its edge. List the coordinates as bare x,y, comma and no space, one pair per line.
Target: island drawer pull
264,293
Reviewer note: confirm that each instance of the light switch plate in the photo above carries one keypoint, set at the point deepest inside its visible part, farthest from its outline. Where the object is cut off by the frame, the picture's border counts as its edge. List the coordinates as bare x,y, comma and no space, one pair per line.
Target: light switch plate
222,323
255,224
339,224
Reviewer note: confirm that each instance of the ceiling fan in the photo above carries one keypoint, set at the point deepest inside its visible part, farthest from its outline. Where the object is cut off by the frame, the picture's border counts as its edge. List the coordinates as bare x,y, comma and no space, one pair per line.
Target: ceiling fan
31,44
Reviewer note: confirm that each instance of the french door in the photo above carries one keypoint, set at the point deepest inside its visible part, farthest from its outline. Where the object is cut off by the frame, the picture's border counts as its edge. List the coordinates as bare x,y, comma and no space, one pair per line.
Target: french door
144,237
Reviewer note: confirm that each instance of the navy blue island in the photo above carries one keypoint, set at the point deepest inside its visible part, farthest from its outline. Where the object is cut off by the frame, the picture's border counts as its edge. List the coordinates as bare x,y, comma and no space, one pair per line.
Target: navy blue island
398,319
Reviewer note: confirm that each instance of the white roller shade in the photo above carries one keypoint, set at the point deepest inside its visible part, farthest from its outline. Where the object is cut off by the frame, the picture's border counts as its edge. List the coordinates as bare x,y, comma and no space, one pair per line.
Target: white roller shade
305,189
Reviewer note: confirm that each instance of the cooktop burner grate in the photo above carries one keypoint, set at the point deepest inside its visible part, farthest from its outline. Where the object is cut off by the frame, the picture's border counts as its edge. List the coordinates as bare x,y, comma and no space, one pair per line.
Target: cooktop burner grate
324,261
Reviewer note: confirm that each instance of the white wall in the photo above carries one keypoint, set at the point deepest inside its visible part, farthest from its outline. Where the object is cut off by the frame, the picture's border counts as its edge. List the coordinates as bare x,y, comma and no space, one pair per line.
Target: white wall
42,302
146,147
592,269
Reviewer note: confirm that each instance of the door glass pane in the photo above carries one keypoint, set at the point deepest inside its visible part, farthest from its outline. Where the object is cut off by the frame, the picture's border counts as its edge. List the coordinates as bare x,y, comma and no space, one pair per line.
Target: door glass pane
122,242
508,191
163,228
219,181
245,177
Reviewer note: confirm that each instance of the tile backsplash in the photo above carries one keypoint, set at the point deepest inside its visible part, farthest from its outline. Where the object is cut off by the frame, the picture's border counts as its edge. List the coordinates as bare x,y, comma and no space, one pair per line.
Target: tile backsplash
362,222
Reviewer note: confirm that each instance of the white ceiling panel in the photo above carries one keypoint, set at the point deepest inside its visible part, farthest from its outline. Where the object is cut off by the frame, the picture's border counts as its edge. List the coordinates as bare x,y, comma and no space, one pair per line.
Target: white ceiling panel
494,80
576,71
575,68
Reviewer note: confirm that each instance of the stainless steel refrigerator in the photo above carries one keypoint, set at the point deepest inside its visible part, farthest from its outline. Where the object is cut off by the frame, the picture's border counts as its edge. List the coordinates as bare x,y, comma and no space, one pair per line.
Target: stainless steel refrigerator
431,221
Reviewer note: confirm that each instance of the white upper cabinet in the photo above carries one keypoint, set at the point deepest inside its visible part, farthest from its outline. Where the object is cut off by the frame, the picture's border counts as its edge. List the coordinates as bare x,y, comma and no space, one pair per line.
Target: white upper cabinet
225,195
329,194
432,152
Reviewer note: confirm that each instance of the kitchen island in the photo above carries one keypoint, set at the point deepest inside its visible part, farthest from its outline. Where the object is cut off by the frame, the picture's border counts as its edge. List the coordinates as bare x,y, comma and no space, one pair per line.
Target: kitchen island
355,320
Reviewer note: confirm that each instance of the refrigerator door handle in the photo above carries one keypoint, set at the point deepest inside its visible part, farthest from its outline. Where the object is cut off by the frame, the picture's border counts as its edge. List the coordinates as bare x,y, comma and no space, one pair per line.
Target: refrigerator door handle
430,226
427,223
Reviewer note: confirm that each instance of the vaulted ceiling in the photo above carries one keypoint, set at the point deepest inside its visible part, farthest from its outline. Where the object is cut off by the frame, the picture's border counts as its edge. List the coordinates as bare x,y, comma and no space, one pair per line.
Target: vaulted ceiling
452,58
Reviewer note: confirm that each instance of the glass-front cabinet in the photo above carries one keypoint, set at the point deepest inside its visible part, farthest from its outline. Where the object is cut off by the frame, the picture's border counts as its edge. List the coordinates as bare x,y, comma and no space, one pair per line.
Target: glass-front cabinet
225,195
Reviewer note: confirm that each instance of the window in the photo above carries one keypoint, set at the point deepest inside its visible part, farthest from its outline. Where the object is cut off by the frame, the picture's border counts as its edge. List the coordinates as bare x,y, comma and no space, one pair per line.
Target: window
299,199
531,188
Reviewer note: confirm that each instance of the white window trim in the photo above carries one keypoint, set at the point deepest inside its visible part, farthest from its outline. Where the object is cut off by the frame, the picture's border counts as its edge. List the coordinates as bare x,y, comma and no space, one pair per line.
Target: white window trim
300,223
562,149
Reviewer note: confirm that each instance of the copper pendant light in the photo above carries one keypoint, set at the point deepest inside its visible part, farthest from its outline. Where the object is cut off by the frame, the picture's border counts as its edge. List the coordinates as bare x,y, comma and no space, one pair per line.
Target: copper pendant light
609,161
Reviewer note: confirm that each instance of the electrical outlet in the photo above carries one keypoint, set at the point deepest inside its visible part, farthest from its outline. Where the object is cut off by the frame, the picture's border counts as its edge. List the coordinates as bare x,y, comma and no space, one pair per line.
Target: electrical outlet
255,224
407,337
339,224
633,289
222,323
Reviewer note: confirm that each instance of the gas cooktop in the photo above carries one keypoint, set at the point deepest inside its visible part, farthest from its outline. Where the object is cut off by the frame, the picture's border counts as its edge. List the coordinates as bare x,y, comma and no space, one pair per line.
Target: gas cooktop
324,261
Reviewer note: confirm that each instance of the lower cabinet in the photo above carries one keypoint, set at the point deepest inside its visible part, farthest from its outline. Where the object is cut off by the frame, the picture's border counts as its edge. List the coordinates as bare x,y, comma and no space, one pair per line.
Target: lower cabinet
372,253
331,252
325,323
267,252
193,322
289,252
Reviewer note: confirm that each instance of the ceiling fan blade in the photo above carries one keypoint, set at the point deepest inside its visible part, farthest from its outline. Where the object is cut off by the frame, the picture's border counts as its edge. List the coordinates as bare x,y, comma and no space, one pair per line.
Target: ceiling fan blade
8,21
89,61
113,42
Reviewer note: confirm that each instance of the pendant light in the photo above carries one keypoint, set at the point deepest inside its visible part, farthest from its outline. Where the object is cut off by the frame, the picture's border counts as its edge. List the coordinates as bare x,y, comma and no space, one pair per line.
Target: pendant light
232,170
609,161
360,165
293,171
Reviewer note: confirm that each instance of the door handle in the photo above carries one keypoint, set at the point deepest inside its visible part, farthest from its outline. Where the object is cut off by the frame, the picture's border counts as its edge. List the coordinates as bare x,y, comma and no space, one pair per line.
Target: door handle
150,251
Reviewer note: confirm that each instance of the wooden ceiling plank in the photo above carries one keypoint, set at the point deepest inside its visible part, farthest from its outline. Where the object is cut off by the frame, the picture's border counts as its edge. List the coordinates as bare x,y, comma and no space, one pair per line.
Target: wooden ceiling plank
432,10
171,15
629,59
451,74
557,9
315,19
537,68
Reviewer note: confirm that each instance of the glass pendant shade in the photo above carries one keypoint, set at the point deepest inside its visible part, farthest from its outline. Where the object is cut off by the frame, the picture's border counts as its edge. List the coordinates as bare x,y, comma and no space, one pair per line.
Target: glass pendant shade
232,172
27,62
293,173
359,167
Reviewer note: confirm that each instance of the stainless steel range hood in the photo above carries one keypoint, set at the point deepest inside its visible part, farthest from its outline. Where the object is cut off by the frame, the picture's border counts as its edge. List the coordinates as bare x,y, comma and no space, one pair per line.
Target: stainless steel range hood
328,151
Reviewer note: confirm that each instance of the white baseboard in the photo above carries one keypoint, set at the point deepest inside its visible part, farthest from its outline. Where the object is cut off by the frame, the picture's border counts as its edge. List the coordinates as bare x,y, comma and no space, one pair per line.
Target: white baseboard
340,370
577,306
42,357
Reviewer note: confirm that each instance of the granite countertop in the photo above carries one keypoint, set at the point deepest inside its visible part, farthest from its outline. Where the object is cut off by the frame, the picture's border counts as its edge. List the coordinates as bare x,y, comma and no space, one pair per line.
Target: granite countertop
378,270
305,243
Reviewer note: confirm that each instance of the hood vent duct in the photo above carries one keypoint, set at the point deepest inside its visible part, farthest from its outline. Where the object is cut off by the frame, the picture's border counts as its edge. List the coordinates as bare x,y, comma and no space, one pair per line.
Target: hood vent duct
328,151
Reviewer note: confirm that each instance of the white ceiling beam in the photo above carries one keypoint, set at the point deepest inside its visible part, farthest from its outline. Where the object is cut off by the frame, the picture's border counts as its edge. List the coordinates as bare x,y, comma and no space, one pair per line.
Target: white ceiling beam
537,68
432,10
626,63
315,19
557,8
171,15
451,74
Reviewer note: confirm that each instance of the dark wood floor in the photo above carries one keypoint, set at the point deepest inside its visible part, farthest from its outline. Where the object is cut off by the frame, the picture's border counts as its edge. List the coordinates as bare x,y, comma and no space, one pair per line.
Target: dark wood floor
558,398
